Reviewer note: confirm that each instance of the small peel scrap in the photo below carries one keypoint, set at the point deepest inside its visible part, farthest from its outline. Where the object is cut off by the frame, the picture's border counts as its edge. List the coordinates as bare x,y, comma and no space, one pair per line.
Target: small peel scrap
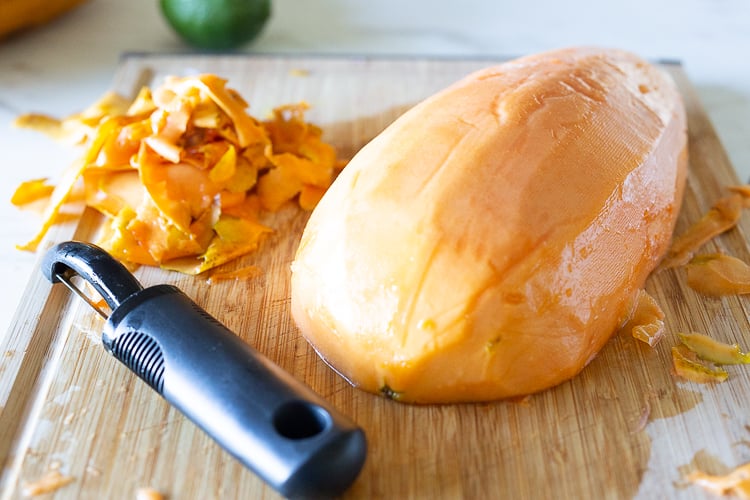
689,366
718,274
76,128
697,356
720,218
183,172
148,494
31,191
647,321
243,273
712,350
735,483
52,481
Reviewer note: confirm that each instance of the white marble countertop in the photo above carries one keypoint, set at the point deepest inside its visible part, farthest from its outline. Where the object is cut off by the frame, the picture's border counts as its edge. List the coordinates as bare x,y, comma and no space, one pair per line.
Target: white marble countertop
64,66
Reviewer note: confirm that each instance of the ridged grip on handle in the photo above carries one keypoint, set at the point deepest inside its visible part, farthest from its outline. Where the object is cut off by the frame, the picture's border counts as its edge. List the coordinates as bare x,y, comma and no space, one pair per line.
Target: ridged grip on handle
272,423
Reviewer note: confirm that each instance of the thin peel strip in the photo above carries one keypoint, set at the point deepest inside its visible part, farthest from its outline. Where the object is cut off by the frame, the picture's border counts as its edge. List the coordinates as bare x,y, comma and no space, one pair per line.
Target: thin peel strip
718,275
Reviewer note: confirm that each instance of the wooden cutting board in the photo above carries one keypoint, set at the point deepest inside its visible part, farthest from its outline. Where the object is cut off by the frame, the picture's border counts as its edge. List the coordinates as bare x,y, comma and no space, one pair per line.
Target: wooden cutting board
625,427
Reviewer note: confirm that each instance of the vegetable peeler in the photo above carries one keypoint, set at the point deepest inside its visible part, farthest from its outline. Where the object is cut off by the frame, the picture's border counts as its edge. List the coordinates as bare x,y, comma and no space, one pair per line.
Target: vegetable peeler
272,423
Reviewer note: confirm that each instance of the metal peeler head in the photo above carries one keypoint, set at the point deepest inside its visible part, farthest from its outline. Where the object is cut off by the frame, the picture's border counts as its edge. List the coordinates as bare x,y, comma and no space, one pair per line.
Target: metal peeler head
109,277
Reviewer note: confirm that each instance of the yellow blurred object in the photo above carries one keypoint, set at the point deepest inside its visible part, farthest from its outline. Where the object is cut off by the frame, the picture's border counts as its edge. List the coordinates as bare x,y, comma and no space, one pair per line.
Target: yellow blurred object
16,15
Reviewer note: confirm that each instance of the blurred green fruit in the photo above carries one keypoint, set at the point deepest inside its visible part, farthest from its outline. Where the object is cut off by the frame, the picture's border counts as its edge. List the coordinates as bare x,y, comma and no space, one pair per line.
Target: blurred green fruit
217,24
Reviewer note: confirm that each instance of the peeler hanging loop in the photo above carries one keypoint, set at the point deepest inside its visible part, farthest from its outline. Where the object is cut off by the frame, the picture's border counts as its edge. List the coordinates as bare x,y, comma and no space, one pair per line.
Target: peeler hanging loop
109,277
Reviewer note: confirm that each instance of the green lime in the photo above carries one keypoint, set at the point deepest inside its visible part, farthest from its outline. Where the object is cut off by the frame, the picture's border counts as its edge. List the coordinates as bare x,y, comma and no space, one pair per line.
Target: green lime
217,24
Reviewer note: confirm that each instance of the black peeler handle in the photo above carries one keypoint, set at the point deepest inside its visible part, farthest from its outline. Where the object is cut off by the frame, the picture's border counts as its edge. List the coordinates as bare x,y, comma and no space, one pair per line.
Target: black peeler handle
275,425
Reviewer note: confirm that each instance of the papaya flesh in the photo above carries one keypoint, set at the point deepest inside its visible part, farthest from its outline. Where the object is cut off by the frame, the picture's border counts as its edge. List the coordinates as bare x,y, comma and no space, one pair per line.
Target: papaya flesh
490,241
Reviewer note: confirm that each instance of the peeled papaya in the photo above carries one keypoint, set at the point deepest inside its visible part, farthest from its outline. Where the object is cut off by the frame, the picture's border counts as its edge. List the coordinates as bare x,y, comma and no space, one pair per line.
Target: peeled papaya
490,241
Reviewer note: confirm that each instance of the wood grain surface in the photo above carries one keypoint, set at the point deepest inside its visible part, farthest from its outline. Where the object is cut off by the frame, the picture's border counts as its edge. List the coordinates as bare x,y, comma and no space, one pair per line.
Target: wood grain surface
624,428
